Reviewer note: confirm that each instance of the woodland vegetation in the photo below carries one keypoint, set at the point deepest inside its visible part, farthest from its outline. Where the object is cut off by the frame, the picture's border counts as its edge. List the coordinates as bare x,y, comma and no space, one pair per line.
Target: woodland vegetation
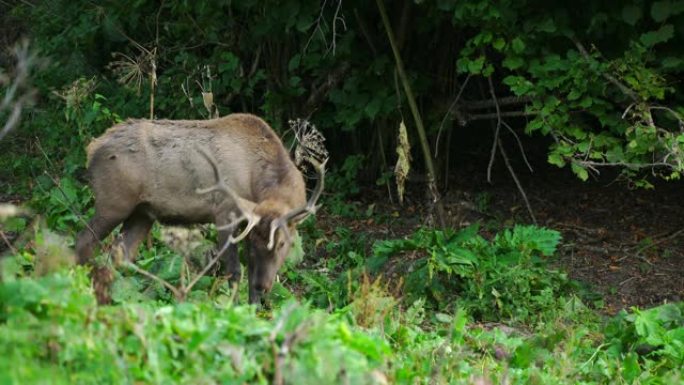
390,283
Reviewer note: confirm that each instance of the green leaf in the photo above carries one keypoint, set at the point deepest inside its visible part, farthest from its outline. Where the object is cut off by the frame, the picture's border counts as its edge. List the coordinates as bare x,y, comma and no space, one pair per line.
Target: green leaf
475,66
14,224
631,368
499,44
294,62
459,326
648,326
513,62
586,102
672,62
574,94
518,45
631,14
580,171
556,159
665,33
547,25
661,10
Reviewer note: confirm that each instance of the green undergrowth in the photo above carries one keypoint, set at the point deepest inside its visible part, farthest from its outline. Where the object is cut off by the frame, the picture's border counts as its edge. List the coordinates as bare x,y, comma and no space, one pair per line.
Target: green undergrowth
51,331
470,309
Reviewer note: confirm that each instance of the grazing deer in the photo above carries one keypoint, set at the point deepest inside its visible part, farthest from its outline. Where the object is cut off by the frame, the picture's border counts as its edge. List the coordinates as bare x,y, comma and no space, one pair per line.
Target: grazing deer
227,171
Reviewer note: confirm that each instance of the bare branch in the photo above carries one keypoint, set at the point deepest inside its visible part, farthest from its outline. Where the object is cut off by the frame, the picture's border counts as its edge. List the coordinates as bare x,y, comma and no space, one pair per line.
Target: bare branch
202,273
450,111
320,22
520,145
503,114
497,142
505,101
517,182
496,130
594,164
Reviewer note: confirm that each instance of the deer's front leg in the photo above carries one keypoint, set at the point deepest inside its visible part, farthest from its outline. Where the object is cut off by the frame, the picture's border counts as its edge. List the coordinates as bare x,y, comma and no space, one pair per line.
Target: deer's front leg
229,262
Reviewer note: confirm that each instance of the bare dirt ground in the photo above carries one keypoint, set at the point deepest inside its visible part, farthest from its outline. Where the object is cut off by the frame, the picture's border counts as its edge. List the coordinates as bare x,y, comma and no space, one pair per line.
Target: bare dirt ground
627,245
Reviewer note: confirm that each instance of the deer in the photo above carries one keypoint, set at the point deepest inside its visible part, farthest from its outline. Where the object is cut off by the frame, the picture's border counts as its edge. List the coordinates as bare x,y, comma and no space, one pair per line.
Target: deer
232,171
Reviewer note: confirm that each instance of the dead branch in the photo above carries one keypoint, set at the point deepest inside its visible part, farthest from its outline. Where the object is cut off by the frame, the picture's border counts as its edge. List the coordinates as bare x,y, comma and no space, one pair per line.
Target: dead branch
503,114
497,143
662,240
488,103
450,110
594,164
496,130
8,243
520,145
321,23
517,182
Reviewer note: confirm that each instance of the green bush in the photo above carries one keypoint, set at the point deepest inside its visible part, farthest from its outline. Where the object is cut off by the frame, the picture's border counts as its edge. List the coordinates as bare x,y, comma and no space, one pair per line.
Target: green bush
507,278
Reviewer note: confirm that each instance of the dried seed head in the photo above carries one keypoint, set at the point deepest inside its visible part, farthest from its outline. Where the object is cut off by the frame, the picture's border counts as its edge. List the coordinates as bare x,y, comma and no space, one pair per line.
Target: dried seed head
310,143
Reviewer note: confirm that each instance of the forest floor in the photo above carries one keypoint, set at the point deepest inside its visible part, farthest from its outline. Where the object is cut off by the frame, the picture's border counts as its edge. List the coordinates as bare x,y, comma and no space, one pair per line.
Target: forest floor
626,246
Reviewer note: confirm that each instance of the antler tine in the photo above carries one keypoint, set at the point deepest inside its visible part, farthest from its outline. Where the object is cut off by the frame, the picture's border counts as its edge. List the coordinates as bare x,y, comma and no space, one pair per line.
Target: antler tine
309,208
252,220
245,206
220,184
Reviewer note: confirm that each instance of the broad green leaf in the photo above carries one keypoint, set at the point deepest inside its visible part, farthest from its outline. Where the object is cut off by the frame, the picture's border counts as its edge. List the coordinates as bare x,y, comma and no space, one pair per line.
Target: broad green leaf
631,367
665,33
661,10
547,25
513,62
574,95
294,62
475,66
631,14
499,44
518,45
580,171
672,62
556,159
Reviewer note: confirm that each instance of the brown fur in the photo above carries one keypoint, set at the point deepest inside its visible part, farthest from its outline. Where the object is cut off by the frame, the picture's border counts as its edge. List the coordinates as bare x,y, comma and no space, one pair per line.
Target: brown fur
141,171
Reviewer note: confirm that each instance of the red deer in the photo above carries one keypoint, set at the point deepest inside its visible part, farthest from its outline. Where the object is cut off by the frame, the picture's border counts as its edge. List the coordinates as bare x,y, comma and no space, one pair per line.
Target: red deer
227,171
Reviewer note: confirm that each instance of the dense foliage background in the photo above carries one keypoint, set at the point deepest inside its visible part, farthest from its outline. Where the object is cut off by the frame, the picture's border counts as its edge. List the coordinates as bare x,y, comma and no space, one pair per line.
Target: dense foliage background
598,84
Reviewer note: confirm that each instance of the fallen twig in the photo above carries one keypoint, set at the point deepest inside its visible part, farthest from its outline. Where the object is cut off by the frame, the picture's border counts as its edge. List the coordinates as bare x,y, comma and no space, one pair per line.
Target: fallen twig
661,241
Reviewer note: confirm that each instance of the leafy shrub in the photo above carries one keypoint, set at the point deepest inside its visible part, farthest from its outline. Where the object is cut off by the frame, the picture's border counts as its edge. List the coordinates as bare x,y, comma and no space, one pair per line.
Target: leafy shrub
507,278
651,340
